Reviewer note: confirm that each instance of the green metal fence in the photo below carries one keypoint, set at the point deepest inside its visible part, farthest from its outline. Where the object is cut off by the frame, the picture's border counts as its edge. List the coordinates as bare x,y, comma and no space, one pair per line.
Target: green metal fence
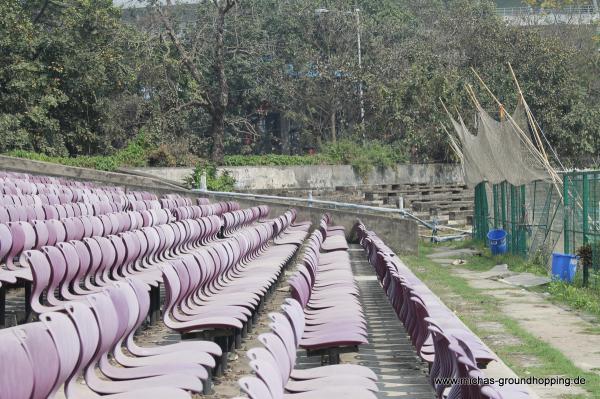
581,192
540,218
527,213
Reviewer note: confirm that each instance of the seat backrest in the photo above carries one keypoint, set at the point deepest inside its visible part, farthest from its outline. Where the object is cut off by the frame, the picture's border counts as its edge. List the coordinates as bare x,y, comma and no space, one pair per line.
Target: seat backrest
279,352
267,371
120,254
120,310
143,299
172,287
41,272
5,241
56,231
88,335
107,320
42,235
58,266
295,315
23,239
16,374
255,388
43,356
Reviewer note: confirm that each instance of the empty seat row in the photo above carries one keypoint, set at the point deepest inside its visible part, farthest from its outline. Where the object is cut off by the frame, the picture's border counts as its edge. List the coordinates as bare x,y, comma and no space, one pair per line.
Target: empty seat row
275,366
70,350
139,205
17,237
294,233
243,217
324,285
34,199
221,286
73,190
140,196
172,201
440,338
81,267
27,213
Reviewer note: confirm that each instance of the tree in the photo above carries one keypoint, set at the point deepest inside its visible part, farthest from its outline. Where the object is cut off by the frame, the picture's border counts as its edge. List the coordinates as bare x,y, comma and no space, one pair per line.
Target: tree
62,63
213,98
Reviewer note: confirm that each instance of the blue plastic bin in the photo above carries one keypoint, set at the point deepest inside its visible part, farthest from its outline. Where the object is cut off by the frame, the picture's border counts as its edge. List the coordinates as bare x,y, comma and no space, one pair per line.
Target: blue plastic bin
497,241
564,266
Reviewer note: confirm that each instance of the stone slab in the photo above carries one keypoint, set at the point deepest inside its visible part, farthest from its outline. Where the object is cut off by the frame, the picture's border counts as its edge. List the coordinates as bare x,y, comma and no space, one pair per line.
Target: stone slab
453,253
526,280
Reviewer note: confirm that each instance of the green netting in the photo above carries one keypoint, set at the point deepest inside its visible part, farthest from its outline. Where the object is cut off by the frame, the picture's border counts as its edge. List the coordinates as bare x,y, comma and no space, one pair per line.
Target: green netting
545,208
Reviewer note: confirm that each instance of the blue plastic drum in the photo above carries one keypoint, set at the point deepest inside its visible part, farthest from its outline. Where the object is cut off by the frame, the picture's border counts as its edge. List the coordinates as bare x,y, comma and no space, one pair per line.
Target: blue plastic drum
497,241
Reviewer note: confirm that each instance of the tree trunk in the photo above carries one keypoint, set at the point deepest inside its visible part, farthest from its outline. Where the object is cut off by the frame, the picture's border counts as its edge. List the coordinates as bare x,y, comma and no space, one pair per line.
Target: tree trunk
221,97
333,133
218,132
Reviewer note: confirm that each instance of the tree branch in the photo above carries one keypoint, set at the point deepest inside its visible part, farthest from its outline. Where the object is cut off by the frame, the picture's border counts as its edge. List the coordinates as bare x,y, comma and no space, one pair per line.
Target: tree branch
193,103
187,61
42,11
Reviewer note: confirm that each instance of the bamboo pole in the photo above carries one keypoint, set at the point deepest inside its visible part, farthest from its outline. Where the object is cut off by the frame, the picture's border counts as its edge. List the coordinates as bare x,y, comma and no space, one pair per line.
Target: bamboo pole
553,174
529,116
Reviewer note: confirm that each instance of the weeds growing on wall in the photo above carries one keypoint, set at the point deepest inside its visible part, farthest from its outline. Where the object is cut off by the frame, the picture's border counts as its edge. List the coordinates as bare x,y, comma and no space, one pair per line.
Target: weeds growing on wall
214,181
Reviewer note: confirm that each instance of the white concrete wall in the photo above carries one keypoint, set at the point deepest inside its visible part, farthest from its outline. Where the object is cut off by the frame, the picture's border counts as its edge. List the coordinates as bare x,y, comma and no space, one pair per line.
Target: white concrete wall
322,176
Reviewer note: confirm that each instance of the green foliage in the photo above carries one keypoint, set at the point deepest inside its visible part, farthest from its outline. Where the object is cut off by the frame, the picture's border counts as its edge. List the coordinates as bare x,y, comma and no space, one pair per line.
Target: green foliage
214,181
578,297
364,158
162,156
133,155
63,69
275,160
77,79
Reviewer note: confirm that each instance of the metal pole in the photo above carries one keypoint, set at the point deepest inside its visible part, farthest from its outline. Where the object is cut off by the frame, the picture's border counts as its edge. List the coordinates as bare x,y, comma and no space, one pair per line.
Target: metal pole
566,219
360,85
585,200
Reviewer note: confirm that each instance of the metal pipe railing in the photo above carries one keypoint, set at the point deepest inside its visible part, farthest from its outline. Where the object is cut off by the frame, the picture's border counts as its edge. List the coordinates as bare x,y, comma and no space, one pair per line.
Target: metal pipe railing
337,205
567,10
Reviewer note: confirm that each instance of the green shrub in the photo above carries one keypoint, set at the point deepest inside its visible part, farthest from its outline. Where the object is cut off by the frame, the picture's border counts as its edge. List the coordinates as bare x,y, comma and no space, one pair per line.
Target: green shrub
574,295
214,181
140,152
364,158
161,156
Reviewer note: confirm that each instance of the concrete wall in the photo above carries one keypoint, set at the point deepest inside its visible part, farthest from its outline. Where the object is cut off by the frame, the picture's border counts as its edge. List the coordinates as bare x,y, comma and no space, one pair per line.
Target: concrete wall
322,176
